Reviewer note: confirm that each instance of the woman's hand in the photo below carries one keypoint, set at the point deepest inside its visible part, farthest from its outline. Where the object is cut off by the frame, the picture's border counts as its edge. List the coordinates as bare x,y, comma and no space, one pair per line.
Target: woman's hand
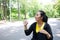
25,24
46,33
48,36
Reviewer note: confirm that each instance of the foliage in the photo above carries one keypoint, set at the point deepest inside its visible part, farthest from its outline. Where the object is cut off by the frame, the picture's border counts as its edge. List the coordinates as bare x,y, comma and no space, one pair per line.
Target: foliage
28,8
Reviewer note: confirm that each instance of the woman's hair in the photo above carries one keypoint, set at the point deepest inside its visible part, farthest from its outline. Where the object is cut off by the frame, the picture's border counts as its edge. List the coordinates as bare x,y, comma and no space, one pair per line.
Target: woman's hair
43,14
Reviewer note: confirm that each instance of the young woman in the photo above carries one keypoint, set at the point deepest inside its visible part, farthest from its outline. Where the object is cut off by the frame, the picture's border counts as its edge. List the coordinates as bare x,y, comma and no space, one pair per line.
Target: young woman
41,29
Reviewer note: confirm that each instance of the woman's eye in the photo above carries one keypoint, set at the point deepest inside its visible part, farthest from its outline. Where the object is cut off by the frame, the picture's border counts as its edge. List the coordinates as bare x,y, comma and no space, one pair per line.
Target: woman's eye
37,14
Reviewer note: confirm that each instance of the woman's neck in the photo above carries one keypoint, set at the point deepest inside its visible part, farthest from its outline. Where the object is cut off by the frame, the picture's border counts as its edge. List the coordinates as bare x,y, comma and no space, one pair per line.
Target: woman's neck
40,23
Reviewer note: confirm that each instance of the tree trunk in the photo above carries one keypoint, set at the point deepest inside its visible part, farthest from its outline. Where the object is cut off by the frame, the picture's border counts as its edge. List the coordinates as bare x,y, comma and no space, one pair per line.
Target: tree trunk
18,10
5,9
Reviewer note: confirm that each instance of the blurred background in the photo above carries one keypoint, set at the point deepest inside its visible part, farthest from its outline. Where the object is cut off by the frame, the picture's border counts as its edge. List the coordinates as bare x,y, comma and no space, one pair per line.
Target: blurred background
13,13
20,9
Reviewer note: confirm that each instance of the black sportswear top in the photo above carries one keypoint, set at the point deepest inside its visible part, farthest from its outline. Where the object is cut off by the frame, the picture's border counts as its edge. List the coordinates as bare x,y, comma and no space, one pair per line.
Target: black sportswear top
39,36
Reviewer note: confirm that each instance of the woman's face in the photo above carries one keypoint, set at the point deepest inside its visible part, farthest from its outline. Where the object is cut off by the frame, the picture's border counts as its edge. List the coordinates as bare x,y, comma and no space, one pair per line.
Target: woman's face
38,16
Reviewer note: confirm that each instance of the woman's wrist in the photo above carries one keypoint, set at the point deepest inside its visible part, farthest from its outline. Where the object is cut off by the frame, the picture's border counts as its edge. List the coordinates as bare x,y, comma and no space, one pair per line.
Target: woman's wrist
48,35
25,27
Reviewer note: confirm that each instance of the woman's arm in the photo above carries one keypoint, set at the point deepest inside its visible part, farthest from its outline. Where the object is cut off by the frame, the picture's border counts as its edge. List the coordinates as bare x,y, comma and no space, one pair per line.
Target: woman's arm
28,31
47,31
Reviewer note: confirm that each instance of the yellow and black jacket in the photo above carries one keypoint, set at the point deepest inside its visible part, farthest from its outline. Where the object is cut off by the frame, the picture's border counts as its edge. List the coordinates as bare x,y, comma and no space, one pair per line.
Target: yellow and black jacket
39,36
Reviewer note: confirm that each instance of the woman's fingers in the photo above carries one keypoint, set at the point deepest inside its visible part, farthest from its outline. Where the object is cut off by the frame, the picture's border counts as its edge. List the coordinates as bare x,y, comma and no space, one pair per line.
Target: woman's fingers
42,31
25,22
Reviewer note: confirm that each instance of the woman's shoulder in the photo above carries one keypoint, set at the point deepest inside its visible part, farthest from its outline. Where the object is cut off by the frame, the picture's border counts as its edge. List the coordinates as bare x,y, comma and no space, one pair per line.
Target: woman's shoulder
47,25
34,23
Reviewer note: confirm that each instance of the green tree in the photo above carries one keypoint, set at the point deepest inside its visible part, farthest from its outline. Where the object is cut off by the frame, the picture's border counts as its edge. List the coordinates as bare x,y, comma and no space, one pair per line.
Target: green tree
57,8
